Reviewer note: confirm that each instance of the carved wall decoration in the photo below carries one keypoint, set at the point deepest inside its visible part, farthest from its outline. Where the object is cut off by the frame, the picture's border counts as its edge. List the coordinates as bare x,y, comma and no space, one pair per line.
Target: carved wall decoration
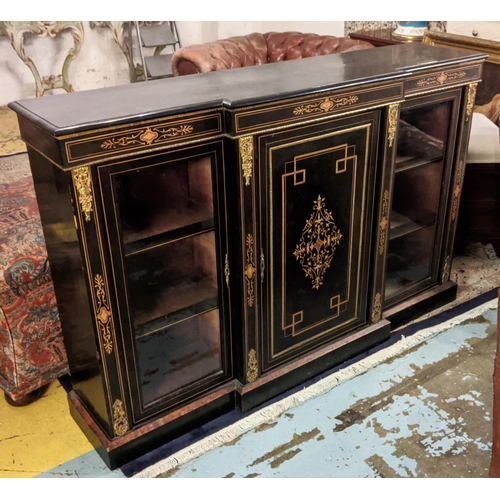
318,242
17,30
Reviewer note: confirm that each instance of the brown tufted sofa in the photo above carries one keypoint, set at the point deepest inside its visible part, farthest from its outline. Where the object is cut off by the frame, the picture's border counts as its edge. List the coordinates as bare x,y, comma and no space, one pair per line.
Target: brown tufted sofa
258,48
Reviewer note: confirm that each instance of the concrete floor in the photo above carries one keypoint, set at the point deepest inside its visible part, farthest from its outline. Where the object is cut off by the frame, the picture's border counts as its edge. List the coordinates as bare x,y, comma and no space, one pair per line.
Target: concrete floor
426,413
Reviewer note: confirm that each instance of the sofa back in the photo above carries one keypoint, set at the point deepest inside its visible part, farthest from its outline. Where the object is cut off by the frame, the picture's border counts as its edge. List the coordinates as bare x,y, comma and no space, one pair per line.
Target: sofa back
258,48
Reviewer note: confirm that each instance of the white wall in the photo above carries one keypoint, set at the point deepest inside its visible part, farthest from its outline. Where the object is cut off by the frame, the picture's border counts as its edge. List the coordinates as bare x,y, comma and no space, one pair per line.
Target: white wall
101,63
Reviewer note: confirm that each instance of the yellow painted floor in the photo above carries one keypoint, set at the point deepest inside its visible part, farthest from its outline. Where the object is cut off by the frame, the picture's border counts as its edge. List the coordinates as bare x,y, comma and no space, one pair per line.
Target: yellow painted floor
40,436
10,137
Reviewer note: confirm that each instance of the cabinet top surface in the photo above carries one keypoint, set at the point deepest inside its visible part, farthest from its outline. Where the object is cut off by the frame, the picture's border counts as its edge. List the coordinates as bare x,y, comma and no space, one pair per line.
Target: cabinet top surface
86,110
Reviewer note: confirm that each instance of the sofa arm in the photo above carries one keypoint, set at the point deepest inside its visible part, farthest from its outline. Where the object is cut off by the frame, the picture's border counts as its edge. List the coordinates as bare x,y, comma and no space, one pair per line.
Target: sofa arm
234,52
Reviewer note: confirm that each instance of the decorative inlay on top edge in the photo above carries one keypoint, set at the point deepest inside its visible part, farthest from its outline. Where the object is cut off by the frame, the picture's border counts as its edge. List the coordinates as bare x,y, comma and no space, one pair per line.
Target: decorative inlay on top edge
147,136
252,366
325,105
318,242
83,186
250,271
441,78
120,422
471,97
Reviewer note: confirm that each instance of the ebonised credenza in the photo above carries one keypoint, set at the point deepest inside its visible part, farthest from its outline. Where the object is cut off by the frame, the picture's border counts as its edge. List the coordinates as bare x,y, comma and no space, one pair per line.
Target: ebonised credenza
217,239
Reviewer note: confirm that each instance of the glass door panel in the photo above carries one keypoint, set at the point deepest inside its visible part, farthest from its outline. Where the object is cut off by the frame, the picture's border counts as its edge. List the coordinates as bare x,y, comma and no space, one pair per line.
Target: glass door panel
167,230
417,197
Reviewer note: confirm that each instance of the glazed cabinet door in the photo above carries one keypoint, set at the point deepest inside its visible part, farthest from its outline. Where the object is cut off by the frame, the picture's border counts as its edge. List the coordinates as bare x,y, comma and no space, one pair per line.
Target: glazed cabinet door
165,219
425,153
316,201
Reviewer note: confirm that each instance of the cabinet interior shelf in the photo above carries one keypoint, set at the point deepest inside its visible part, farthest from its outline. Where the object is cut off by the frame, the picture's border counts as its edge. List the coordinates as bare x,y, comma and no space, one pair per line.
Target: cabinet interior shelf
176,304
144,244
167,320
401,225
407,163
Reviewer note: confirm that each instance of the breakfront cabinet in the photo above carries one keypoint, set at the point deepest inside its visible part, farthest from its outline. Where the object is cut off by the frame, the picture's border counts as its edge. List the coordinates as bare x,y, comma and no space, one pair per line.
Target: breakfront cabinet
217,239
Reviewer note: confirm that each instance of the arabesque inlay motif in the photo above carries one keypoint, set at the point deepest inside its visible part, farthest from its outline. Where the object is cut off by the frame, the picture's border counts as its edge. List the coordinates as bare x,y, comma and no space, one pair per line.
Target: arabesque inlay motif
147,136
103,313
441,79
325,105
318,242
250,271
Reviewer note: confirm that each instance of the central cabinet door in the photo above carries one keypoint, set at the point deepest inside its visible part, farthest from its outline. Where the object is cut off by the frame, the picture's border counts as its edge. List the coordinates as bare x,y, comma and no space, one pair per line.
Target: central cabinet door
317,189
166,226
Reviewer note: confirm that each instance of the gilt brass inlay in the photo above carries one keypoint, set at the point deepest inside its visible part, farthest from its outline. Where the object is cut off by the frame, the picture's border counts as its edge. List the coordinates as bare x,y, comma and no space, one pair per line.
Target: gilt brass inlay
318,242
446,270
246,153
253,367
325,105
250,270
226,270
471,97
393,122
441,79
457,190
82,182
103,313
377,308
147,136
120,423
384,223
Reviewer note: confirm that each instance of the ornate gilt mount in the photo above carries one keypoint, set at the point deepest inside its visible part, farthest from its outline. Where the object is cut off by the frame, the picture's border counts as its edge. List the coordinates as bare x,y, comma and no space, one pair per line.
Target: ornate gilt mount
383,226
325,105
83,186
250,270
471,97
318,242
377,308
457,190
147,136
103,313
120,422
393,123
246,153
252,366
